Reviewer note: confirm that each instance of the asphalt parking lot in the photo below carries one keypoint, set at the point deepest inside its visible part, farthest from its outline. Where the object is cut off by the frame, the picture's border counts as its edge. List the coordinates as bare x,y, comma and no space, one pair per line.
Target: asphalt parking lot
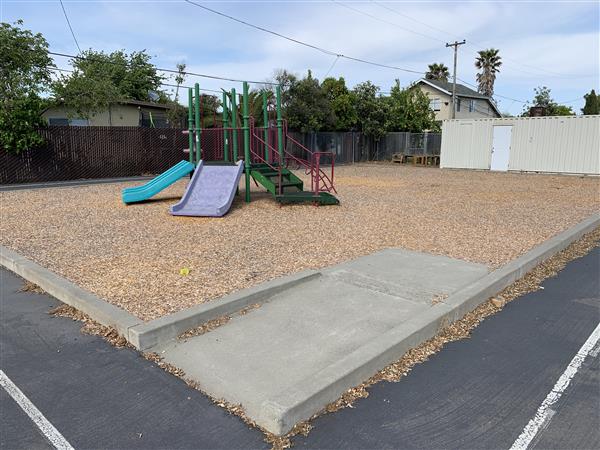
477,393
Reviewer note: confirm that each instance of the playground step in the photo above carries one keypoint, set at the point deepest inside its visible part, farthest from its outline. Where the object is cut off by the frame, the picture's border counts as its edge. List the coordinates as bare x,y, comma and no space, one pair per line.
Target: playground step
270,180
287,183
324,198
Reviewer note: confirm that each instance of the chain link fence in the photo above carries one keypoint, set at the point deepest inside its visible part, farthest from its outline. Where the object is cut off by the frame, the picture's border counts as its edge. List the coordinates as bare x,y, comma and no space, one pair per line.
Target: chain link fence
72,153
350,147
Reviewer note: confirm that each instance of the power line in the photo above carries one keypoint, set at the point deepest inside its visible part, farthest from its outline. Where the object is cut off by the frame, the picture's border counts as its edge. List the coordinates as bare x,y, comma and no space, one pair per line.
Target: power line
331,67
70,27
472,43
305,44
385,21
202,75
496,95
57,69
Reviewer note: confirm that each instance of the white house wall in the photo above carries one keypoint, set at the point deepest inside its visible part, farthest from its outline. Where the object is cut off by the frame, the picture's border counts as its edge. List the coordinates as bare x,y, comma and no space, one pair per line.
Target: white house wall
567,144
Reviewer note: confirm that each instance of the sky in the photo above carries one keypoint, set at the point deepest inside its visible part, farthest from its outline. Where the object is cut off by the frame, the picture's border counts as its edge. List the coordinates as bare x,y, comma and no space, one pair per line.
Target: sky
542,43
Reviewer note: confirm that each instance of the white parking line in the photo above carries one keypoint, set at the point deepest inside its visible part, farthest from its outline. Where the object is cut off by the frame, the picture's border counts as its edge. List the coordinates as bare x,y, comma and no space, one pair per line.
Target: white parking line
53,435
544,413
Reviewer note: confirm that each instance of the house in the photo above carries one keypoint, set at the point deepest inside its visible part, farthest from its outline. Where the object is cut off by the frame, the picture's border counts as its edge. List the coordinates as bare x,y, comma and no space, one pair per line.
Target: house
470,104
127,113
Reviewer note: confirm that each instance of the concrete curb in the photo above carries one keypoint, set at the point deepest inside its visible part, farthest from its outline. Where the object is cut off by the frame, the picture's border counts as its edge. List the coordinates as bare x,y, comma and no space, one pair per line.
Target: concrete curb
72,183
158,331
143,335
281,413
69,293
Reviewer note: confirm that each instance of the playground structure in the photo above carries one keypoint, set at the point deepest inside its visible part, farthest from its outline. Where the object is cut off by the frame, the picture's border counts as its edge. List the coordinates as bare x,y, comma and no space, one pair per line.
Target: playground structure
269,157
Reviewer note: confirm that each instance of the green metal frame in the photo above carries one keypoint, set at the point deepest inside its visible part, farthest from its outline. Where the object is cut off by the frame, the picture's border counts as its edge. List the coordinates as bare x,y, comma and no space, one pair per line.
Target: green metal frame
279,181
234,114
197,120
225,129
266,124
191,124
279,124
246,141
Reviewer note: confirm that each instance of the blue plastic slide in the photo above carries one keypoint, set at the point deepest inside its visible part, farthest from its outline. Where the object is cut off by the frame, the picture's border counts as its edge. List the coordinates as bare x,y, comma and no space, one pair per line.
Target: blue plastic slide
154,186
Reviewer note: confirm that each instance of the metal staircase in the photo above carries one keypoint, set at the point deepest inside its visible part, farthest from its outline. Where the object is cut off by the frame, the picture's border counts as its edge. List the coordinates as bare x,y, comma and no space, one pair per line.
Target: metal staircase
277,178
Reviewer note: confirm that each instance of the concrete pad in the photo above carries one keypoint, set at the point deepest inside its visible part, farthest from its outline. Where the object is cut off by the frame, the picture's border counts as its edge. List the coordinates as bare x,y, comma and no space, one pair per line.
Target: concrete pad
290,344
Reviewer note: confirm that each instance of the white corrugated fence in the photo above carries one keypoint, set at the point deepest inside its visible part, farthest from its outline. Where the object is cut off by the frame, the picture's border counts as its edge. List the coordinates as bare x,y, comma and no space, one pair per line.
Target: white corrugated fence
559,144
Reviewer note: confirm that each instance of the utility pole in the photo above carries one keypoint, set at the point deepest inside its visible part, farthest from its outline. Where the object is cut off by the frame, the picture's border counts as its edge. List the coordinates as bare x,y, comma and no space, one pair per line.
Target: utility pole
455,45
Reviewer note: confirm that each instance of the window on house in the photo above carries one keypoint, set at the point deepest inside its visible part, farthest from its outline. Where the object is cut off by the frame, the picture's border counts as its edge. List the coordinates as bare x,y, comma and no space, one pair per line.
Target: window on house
154,119
58,122
79,122
458,104
435,104
471,105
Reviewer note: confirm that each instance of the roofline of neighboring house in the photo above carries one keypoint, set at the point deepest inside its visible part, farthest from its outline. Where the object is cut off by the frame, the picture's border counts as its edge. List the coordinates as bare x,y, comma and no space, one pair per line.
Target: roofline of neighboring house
147,104
479,97
125,102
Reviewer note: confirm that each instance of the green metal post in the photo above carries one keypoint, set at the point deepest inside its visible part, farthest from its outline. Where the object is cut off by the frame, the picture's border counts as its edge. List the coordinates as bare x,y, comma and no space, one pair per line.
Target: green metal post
225,130
197,117
191,124
234,133
246,141
279,125
266,125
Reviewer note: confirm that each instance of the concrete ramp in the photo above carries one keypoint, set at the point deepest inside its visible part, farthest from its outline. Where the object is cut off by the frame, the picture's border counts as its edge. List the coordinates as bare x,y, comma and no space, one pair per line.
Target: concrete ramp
210,191
307,344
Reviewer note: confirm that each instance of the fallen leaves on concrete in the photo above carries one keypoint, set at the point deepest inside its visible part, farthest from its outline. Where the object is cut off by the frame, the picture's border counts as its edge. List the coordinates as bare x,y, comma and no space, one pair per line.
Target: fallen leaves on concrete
213,324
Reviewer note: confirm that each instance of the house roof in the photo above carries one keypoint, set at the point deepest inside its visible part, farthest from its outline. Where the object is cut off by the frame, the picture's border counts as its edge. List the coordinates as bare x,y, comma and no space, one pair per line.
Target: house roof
146,104
461,91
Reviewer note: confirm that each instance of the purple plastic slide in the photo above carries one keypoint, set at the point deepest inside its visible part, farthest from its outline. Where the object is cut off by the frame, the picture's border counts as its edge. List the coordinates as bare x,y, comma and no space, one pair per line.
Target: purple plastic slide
210,191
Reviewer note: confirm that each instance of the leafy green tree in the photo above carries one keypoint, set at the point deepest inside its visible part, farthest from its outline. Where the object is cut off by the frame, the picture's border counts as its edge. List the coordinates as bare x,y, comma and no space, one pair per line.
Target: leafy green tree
285,79
489,63
24,75
408,110
592,104
342,103
543,99
100,79
177,113
371,110
437,71
308,108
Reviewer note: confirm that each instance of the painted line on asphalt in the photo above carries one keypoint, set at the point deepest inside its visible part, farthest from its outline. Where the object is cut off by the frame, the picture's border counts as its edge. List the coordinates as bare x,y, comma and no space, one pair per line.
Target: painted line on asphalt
544,413
51,433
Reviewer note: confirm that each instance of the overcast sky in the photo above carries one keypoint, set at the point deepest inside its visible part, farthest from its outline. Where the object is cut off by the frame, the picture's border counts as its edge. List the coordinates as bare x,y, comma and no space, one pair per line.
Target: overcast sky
555,44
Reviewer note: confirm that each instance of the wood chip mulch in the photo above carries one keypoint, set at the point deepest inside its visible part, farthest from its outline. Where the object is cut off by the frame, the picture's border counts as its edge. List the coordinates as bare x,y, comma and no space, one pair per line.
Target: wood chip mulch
133,256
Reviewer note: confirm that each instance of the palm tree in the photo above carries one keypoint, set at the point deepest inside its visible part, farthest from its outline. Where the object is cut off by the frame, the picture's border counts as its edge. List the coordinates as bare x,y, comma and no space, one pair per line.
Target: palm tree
489,63
437,71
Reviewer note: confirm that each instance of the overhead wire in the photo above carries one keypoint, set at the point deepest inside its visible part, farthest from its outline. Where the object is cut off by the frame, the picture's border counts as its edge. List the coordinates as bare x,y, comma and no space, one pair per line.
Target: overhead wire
305,44
472,43
70,27
186,72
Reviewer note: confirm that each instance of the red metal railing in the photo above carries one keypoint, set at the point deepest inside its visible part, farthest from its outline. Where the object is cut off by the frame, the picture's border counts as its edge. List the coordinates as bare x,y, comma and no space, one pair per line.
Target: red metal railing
321,179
